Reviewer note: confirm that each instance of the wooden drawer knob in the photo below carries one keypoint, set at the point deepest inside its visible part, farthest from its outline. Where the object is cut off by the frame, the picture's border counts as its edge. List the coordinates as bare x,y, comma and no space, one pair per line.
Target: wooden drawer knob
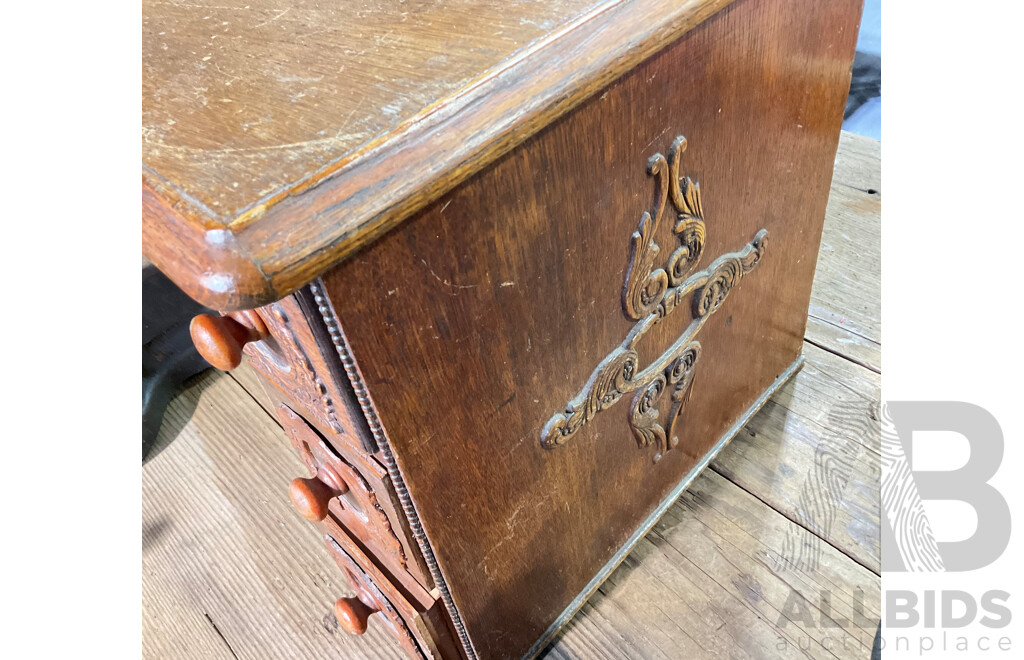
219,339
312,495
352,615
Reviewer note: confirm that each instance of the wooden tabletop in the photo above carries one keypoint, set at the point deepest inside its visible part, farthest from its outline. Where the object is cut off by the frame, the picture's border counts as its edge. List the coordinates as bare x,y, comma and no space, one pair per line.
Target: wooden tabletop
243,99
772,552
278,138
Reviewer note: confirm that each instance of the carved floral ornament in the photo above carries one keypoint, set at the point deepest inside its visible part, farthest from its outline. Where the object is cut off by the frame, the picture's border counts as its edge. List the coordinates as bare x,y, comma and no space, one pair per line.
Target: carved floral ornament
649,296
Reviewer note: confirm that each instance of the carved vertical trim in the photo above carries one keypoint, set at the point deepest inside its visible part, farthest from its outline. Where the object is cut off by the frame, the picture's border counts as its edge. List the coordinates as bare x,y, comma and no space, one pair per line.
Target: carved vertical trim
341,345
323,396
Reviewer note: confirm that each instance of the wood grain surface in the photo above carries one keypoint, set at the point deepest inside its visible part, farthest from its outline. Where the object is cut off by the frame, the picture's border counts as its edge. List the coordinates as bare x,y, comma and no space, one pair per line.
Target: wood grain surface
845,315
829,410
243,99
230,570
498,302
232,261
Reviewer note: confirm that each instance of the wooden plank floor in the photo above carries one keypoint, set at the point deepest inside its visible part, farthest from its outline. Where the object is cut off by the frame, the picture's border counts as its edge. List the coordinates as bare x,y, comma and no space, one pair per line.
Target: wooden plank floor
772,552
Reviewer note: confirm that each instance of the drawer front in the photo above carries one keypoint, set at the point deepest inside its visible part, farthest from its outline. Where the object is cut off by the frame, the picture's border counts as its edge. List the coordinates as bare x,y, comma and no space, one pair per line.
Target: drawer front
366,507
420,626
306,369
557,345
370,602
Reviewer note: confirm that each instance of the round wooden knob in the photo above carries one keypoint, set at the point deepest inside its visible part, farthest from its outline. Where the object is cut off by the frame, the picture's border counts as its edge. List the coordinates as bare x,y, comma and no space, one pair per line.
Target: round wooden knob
219,339
311,496
352,615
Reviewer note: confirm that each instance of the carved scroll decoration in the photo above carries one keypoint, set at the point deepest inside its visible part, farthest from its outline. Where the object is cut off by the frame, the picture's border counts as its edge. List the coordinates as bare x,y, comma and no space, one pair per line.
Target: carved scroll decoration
650,295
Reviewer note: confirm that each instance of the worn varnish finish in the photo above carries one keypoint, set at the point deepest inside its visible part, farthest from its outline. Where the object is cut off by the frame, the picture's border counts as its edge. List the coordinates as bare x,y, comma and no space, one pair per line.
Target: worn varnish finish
418,624
246,99
451,385
369,184
487,312
381,520
704,583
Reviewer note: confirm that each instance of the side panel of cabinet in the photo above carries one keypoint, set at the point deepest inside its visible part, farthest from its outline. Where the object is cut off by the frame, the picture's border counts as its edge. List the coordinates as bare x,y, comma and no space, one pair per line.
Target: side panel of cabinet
480,321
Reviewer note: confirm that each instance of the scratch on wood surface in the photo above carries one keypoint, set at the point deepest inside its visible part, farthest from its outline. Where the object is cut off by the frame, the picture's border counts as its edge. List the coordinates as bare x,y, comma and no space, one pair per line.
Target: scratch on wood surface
304,145
226,75
511,523
184,5
279,15
444,281
300,79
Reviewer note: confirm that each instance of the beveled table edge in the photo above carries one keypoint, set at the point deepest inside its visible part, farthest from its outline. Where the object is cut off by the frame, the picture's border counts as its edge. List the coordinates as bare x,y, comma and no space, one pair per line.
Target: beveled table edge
327,217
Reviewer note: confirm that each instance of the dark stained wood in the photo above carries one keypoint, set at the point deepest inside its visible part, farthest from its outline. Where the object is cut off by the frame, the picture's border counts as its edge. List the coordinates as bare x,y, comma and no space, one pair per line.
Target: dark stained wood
489,381
336,195
370,475
705,582
491,308
702,583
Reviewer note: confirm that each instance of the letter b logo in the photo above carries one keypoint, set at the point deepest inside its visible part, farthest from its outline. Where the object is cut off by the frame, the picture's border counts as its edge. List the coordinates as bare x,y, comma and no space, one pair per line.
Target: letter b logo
907,540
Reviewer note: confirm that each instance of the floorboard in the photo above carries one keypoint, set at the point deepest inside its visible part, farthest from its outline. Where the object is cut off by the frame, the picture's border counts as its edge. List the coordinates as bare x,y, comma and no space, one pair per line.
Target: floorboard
229,569
845,316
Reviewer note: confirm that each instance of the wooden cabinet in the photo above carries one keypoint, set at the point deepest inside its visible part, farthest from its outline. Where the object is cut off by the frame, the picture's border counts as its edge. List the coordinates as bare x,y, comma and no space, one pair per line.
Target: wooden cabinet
505,331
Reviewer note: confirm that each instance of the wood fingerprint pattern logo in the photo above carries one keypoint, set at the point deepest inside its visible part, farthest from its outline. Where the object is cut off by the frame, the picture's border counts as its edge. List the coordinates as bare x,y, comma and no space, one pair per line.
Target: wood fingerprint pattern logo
902,504
825,484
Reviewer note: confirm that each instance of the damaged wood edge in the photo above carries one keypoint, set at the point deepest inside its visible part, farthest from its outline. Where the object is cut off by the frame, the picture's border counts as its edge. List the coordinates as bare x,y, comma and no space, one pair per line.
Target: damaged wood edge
240,265
207,264
659,511
326,309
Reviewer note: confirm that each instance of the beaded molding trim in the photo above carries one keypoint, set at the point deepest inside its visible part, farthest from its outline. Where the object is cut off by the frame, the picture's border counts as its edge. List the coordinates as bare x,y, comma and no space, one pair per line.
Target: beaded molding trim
370,412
